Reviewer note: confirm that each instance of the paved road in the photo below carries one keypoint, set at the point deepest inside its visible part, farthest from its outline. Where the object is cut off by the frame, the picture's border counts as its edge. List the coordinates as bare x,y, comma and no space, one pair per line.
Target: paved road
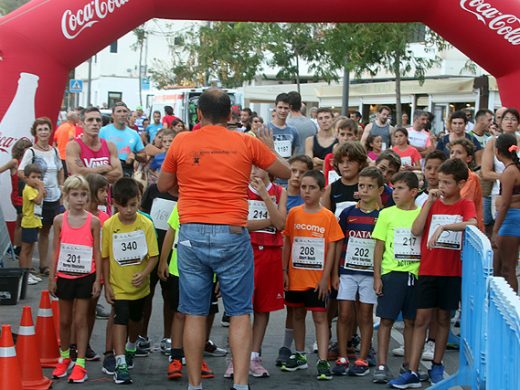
150,372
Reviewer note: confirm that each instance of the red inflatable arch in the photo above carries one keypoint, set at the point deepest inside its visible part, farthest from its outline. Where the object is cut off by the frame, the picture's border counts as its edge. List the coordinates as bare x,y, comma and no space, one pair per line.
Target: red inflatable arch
41,41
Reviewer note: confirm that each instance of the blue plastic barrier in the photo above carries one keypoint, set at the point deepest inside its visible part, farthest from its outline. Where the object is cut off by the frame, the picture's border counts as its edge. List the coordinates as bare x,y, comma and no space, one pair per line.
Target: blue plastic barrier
503,349
477,267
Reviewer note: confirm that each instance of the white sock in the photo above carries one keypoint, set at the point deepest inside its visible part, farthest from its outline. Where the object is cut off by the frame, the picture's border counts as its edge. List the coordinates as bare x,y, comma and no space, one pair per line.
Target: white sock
255,355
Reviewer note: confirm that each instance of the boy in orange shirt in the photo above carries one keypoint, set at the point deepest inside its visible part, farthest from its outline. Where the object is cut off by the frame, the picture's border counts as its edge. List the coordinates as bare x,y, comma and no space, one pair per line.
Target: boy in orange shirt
464,150
310,236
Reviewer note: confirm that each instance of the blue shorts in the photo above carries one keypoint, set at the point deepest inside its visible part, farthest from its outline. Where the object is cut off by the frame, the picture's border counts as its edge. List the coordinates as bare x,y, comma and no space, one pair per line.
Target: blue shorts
488,215
398,296
510,226
225,250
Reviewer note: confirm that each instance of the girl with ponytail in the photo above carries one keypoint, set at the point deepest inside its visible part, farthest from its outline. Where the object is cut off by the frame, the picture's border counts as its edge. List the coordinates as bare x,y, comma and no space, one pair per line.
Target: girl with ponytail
507,225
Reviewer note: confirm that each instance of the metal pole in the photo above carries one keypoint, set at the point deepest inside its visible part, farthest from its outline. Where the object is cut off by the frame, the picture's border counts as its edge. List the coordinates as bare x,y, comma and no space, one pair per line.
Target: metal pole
89,86
346,88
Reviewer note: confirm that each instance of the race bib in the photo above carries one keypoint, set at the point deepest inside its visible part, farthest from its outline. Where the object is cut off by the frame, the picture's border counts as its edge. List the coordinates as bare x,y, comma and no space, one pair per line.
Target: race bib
161,211
342,206
406,161
38,210
75,259
448,239
360,253
308,253
407,247
129,248
333,176
283,148
258,211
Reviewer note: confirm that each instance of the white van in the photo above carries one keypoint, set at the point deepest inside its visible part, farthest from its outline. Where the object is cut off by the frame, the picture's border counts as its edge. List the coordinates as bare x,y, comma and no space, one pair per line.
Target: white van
185,102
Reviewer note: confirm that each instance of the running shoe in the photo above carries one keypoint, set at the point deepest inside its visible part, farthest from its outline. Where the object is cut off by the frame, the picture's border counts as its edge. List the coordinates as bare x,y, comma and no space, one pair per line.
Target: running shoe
371,357
436,373
297,361
284,354
143,344
324,372
91,355
423,376
341,367
62,368
256,368
399,351
359,368
224,321
78,375
428,351
129,357
382,374
165,346
175,369
121,375
332,352
408,380
211,349
101,312
229,370
205,371
109,364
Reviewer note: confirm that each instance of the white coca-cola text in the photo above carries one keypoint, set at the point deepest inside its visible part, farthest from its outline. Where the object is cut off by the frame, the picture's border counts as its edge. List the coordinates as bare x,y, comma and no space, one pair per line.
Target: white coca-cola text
74,22
505,25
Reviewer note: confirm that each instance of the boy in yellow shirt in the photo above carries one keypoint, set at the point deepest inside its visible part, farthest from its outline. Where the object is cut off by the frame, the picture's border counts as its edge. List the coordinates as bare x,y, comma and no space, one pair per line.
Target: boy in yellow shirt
129,252
32,196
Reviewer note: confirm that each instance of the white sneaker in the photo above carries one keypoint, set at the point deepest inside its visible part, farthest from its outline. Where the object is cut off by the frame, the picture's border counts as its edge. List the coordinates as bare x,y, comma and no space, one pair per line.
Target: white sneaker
399,351
36,277
429,349
32,280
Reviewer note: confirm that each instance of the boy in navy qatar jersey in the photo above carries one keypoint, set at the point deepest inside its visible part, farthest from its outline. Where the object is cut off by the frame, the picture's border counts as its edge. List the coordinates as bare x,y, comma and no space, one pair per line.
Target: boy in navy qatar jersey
353,274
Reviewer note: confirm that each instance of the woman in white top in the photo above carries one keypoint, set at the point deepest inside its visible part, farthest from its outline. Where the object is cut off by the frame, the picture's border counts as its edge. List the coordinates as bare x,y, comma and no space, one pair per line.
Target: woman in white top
46,157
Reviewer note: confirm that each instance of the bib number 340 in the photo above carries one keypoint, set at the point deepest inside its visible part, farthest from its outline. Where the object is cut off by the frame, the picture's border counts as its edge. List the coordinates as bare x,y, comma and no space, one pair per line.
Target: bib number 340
130,248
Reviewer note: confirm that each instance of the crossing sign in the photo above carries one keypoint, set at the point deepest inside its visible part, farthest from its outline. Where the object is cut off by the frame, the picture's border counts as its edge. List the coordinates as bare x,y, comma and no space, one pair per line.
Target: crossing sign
75,86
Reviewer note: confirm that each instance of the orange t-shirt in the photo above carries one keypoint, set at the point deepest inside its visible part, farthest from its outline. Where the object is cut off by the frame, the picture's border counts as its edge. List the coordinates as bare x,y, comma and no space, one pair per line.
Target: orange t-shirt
213,166
309,234
63,134
473,191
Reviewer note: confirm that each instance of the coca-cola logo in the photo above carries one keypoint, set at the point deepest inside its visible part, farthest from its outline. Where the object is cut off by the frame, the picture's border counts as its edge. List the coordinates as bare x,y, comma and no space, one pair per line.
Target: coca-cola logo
6,143
73,23
505,25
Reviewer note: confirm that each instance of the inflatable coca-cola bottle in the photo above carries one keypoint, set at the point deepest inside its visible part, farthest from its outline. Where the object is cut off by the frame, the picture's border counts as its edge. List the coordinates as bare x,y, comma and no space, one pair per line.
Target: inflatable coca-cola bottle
16,124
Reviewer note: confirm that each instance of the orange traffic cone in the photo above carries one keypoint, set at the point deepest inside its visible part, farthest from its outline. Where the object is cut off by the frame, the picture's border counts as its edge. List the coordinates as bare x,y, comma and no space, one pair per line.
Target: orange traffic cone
28,355
10,378
45,333
55,304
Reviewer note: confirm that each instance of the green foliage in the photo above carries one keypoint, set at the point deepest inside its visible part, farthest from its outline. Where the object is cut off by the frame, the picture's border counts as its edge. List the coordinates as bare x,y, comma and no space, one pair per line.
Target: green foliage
235,53
7,6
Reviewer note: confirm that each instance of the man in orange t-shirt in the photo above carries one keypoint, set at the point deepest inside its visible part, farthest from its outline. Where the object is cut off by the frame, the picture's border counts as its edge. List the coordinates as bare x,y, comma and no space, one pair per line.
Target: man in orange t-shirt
210,169
65,133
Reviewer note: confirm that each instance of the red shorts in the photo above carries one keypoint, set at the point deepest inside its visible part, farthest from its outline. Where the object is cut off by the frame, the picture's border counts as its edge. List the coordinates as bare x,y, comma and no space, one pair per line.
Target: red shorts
268,294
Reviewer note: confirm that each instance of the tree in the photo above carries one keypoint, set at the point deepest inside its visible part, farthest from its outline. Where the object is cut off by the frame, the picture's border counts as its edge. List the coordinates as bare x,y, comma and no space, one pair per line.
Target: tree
291,43
397,57
7,6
